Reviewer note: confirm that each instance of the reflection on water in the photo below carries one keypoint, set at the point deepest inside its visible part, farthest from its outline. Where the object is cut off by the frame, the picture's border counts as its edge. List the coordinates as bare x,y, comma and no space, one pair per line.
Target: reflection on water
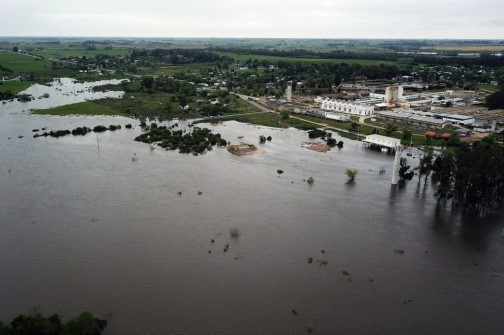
84,227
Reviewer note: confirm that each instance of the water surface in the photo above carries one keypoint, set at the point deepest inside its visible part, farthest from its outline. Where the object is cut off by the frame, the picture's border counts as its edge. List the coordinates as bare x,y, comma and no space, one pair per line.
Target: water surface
83,227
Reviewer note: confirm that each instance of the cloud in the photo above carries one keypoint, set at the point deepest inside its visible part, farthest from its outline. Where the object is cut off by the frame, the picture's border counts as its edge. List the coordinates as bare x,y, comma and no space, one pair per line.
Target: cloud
260,18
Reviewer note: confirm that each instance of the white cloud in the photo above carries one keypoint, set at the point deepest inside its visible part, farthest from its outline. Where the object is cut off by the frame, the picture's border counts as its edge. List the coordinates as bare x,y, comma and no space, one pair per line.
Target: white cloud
259,18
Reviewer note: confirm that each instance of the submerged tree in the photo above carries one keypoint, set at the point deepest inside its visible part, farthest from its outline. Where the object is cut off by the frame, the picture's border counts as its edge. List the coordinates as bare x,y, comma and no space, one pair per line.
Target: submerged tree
351,174
425,166
472,177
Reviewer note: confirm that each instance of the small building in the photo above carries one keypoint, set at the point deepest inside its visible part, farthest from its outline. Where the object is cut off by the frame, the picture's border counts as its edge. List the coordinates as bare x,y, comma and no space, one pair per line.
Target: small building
466,120
337,117
376,141
430,134
414,118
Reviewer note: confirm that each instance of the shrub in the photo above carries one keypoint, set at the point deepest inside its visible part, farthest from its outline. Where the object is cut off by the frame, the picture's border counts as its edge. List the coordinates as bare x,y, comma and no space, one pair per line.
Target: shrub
234,232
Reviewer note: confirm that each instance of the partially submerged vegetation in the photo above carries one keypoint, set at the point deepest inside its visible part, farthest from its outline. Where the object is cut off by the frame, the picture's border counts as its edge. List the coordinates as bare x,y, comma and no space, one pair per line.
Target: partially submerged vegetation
34,322
196,141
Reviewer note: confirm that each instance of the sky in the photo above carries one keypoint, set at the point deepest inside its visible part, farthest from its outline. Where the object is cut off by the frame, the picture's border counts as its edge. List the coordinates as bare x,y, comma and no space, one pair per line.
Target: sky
430,19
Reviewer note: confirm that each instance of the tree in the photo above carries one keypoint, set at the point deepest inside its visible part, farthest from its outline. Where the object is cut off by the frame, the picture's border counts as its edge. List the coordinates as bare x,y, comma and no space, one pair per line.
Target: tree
84,324
390,128
15,49
407,134
351,174
285,115
425,165
404,173
495,100
354,126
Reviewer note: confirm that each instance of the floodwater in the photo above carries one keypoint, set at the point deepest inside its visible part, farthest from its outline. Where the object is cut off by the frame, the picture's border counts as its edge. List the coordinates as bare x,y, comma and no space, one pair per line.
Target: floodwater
84,227
61,91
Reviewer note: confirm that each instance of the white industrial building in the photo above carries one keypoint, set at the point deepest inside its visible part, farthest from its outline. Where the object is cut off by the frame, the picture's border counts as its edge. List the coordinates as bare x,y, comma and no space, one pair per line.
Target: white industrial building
346,107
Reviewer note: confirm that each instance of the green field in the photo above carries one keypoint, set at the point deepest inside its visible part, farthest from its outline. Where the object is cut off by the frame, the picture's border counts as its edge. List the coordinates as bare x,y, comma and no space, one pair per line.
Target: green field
20,63
245,57
80,52
14,86
488,87
81,108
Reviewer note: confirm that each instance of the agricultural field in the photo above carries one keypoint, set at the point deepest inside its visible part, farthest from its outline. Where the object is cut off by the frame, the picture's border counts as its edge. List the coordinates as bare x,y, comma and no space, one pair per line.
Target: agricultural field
56,53
245,57
14,86
20,63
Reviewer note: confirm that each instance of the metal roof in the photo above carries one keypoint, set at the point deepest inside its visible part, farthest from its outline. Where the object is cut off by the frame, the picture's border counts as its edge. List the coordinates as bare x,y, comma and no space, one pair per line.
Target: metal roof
383,141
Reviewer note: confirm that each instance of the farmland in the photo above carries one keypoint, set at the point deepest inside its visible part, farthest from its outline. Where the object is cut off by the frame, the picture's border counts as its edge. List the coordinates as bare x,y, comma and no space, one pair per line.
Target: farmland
20,63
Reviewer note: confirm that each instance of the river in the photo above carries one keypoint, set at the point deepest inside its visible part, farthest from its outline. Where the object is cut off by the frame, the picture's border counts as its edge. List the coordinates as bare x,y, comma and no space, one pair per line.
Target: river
84,227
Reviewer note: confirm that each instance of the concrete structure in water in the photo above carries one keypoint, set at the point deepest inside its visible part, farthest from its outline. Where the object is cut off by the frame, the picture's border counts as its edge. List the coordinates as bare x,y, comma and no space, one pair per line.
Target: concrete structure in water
395,170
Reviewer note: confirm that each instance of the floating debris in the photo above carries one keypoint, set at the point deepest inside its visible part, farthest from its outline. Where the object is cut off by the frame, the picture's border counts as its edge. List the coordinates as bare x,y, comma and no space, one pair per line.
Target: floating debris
179,193
280,171
294,312
200,193
399,251
213,241
371,280
310,260
346,273
209,251
322,251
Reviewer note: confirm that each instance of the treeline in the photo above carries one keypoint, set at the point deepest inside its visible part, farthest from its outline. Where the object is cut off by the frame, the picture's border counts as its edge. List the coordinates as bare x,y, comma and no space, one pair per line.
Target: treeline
34,323
471,176
303,53
176,56
484,60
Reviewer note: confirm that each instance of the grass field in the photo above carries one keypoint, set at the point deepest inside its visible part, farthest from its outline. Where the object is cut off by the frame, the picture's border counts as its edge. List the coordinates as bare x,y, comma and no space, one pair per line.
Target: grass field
82,108
20,63
80,52
488,87
14,86
245,57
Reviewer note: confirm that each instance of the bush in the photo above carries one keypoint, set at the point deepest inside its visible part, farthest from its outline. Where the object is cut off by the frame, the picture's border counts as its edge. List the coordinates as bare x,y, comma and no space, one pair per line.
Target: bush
234,232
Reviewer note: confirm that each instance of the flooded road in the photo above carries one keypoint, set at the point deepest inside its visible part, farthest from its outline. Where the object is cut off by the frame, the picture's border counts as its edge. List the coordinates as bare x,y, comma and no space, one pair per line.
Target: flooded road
84,227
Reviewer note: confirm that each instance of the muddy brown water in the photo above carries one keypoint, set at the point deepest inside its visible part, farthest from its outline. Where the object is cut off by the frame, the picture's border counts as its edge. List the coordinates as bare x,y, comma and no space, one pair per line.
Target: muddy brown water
84,227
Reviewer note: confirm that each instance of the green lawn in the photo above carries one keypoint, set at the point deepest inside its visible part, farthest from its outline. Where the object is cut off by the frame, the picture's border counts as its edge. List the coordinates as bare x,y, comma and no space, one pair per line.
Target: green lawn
14,86
20,63
81,108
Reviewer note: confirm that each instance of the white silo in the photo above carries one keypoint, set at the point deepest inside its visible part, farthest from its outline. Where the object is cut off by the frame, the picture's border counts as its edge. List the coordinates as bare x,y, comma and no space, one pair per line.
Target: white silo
288,93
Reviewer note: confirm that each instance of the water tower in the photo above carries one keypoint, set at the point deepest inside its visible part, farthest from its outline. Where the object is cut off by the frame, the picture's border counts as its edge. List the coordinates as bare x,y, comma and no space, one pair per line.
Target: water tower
288,92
